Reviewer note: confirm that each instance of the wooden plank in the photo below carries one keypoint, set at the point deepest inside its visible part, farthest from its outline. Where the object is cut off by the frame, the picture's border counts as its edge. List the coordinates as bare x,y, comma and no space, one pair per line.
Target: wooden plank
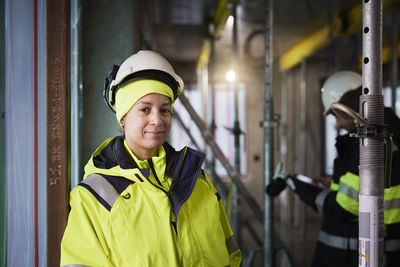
57,64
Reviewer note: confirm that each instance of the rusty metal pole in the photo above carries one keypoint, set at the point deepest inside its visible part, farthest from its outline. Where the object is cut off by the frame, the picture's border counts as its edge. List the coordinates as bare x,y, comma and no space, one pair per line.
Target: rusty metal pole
371,145
57,65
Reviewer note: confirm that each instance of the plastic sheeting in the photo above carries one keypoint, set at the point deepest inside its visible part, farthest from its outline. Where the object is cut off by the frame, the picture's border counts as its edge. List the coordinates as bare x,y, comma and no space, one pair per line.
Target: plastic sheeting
42,209
19,132
3,182
20,160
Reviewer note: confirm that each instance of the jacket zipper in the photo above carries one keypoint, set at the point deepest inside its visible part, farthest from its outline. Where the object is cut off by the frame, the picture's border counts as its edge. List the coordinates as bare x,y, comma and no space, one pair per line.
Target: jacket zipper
154,172
171,203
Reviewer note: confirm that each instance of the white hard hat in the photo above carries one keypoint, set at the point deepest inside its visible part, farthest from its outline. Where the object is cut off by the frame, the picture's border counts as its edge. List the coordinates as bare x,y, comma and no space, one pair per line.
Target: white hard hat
336,85
145,64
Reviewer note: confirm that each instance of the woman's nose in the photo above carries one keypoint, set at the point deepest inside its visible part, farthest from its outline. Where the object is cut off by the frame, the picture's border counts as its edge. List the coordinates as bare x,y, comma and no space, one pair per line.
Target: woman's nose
156,118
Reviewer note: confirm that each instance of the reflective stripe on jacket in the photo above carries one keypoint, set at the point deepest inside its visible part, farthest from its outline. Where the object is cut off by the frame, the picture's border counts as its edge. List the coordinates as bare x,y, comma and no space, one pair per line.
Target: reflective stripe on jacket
119,218
346,243
338,240
347,197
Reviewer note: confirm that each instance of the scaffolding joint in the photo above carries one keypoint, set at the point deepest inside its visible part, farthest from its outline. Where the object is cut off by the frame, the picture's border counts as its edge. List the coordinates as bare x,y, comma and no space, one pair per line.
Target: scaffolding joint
371,131
269,124
208,134
379,131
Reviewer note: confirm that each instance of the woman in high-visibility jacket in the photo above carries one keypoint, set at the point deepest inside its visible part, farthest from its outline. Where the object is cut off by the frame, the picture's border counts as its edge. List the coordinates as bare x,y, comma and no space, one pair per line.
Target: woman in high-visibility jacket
142,203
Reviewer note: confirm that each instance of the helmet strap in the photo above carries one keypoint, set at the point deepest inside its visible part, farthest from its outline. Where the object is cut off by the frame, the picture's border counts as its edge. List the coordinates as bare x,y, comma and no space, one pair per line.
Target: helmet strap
110,76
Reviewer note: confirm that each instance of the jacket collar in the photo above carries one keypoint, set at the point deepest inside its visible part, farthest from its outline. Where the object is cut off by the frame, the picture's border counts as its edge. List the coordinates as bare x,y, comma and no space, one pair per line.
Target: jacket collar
173,159
183,167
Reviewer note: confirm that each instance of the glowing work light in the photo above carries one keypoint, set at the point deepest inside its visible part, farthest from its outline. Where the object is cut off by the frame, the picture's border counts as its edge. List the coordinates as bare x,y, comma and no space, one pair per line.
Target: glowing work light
231,76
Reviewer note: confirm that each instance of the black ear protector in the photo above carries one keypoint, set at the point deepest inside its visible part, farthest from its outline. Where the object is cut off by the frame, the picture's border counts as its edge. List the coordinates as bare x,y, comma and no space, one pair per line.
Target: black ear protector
152,74
110,76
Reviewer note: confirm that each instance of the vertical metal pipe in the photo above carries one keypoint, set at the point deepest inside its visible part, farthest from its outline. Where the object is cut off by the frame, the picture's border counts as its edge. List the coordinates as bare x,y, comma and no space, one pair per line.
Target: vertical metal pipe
76,91
212,101
371,147
393,76
268,255
303,143
236,126
284,197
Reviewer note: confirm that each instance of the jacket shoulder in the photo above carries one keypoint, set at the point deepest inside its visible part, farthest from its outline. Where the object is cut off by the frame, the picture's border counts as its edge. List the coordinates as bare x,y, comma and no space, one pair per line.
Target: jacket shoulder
105,188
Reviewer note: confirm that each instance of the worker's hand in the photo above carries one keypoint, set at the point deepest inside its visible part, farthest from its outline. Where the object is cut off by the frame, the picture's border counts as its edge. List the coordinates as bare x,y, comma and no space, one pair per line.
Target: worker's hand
279,182
276,187
323,181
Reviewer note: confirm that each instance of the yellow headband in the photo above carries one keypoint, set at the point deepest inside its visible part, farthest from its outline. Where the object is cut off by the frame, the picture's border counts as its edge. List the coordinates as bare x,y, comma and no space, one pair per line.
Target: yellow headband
128,95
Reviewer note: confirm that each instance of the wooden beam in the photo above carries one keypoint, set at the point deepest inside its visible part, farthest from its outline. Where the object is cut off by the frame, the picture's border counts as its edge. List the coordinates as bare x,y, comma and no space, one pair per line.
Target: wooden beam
57,65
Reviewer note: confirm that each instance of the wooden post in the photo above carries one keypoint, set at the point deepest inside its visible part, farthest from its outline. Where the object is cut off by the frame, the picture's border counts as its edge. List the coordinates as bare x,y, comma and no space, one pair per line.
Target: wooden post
57,102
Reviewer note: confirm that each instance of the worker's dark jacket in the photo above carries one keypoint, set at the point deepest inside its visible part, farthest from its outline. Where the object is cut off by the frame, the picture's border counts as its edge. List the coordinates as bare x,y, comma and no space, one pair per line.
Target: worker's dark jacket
338,239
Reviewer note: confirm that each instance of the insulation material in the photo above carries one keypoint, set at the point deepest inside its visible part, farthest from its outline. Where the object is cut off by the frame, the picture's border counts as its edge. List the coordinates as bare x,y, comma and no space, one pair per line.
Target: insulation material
26,240
20,132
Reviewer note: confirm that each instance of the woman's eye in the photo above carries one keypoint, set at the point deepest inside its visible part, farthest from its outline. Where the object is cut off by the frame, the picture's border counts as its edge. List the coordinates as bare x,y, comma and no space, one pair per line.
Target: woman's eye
165,111
144,109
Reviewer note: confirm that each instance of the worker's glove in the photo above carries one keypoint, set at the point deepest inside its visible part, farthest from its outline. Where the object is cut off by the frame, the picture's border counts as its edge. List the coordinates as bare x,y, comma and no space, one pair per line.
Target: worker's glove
279,182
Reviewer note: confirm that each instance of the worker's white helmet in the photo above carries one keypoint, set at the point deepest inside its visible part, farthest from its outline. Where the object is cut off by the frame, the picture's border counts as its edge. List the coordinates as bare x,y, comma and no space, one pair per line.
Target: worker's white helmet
336,85
145,64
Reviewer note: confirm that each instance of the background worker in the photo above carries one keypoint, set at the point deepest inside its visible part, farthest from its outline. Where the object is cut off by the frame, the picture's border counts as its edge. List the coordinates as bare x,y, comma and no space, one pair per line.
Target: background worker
142,203
338,238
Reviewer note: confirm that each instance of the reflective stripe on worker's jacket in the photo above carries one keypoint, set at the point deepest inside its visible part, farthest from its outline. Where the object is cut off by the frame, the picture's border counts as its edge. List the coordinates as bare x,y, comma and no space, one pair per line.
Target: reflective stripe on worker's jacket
121,215
345,243
347,197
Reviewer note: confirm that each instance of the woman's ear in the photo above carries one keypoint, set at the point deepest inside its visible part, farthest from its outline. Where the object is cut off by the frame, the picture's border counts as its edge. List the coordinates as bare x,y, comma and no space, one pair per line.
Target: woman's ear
122,122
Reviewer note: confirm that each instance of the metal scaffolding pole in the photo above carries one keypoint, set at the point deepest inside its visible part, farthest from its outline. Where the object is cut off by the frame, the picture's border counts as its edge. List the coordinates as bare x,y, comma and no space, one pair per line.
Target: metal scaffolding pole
76,94
393,74
371,144
236,128
212,101
303,145
268,255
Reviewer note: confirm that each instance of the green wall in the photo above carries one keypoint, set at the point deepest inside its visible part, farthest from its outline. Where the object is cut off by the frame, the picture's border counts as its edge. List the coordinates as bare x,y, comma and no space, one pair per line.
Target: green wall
107,39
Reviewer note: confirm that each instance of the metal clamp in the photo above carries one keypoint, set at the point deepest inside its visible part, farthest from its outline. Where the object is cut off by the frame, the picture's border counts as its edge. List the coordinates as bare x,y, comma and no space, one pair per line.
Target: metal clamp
269,124
371,131
365,130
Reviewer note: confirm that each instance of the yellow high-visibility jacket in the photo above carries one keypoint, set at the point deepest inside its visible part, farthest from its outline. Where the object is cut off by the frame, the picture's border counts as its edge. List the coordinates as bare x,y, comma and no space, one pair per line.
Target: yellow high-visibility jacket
168,214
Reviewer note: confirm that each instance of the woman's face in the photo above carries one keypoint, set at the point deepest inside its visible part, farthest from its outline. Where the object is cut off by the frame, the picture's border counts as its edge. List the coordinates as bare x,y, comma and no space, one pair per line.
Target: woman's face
347,125
147,125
